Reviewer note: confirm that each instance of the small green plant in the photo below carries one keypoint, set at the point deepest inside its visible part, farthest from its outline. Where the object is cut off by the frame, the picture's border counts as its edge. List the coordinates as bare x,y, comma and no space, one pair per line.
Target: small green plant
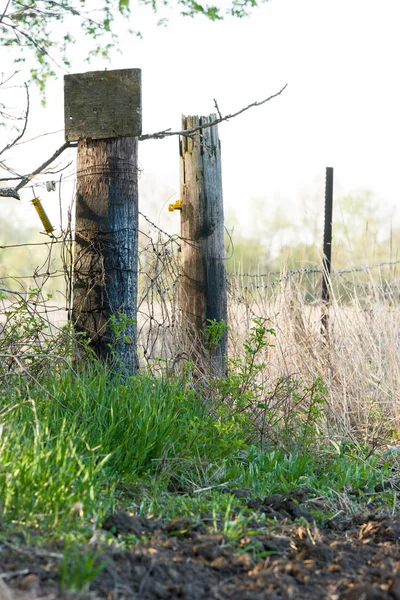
308,414
119,325
242,388
122,330
213,334
288,415
29,339
79,568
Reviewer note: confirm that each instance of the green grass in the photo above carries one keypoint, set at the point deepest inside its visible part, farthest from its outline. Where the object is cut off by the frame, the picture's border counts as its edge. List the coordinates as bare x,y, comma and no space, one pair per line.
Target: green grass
99,441
63,455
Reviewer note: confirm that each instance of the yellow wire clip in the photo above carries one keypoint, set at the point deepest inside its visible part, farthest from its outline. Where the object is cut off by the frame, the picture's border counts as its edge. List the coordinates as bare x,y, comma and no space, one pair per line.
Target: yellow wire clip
176,206
42,215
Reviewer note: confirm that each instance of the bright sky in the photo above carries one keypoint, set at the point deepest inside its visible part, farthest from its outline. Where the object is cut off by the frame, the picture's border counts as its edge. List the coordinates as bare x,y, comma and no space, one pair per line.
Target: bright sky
340,109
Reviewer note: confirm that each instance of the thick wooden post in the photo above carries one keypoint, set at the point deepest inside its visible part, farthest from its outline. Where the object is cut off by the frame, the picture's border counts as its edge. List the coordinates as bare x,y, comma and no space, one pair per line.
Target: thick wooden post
203,273
103,111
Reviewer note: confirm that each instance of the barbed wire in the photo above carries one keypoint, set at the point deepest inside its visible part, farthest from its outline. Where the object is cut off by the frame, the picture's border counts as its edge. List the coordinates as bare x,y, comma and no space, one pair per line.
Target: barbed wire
308,270
164,239
46,294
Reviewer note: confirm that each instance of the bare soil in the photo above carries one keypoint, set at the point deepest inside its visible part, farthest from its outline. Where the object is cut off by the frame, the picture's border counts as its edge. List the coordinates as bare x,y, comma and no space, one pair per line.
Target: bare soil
350,558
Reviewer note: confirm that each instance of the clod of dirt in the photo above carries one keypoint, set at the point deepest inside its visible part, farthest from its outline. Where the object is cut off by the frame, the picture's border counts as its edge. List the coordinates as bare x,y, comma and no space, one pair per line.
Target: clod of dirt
122,524
243,560
30,583
317,551
365,592
208,550
287,505
340,523
178,524
240,493
220,563
394,589
380,531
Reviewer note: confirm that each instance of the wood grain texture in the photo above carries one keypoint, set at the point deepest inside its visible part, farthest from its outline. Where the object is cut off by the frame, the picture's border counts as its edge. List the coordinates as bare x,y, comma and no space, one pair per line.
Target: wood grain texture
106,245
203,273
103,104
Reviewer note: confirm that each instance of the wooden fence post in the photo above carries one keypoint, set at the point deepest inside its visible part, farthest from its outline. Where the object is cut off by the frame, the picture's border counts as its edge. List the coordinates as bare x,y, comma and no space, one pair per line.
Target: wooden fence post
203,273
103,112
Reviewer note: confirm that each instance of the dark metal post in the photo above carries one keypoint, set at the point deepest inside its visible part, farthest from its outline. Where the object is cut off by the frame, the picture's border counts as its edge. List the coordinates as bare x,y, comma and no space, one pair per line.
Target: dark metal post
327,258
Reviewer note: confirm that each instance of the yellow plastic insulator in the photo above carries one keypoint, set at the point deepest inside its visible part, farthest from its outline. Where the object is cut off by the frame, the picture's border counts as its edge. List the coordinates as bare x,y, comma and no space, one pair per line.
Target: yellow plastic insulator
176,206
42,215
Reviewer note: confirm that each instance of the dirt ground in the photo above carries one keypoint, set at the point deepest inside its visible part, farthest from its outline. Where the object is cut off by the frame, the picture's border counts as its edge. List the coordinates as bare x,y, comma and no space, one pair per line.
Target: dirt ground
350,558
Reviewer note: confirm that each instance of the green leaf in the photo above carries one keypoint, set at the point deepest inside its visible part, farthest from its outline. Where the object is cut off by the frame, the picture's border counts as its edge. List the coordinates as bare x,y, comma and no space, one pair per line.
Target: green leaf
123,6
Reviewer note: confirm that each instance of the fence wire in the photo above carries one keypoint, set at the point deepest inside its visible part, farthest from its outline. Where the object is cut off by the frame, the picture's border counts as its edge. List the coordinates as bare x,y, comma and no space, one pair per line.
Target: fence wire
36,306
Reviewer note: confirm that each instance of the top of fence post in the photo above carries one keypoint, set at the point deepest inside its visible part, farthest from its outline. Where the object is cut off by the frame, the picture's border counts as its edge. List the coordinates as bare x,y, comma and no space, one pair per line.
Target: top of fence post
103,104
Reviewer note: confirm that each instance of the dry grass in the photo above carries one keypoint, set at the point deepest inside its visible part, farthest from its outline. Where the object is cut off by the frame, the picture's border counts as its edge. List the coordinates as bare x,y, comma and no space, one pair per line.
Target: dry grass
358,359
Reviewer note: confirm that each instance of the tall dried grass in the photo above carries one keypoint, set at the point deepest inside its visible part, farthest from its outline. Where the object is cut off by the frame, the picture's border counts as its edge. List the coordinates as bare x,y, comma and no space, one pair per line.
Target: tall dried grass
358,357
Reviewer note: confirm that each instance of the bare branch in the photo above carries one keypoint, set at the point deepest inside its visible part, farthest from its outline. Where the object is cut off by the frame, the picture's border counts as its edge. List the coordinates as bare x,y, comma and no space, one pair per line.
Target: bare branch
54,171
5,11
9,193
22,132
40,169
39,136
4,81
217,109
11,170
57,169
18,31
189,132
13,193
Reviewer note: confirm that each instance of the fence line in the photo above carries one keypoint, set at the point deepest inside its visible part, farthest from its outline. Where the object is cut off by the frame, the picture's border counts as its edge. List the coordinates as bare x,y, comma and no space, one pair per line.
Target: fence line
160,246
158,301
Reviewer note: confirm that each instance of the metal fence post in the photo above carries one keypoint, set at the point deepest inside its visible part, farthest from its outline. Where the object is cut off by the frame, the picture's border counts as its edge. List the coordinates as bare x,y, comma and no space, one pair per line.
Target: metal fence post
327,249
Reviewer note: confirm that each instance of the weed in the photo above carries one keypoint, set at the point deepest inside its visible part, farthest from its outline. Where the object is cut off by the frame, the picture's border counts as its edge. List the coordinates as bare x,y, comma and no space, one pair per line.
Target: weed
79,568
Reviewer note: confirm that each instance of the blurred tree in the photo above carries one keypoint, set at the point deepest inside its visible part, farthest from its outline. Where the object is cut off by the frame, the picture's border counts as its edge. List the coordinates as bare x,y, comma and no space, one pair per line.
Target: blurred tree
362,234
29,26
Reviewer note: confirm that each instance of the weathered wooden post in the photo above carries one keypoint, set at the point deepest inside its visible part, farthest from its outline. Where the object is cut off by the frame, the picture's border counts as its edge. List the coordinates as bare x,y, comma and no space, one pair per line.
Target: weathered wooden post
103,113
203,273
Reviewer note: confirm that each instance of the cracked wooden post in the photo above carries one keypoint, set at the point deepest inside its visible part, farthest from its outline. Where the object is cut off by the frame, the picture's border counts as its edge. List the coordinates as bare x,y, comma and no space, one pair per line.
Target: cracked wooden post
103,113
203,273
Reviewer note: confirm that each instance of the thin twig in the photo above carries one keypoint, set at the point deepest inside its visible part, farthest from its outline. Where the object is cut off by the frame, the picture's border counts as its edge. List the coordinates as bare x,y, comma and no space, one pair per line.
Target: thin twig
30,551
217,109
42,167
6,291
22,132
189,132
4,11
13,192
11,574
39,136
